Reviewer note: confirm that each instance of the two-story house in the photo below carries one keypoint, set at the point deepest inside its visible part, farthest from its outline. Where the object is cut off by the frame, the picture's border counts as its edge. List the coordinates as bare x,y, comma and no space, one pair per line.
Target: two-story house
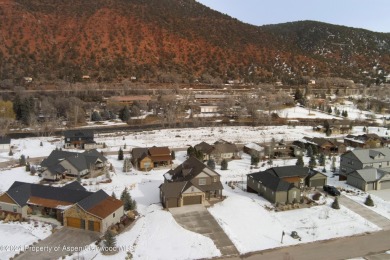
220,150
145,159
190,183
364,141
363,158
78,138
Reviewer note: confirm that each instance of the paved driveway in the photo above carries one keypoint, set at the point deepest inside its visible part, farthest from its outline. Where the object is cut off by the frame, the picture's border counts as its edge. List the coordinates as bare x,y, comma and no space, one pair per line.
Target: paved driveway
67,237
196,218
383,194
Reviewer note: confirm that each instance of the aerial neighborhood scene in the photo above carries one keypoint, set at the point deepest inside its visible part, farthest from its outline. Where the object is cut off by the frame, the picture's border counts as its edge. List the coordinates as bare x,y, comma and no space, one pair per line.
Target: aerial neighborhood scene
194,129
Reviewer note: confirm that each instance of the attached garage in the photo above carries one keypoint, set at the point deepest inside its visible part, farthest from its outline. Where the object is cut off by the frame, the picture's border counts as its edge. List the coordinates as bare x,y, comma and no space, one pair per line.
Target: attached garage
370,186
171,203
385,185
316,179
94,225
75,222
192,200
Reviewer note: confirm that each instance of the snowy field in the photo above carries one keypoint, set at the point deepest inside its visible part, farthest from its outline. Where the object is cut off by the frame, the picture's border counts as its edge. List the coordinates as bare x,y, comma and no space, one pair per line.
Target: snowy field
243,216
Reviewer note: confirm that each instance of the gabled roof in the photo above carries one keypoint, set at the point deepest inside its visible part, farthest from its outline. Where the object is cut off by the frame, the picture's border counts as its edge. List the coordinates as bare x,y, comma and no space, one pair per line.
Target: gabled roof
55,157
189,169
269,180
223,146
366,155
158,151
204,147
371,174
75,185
290,171
137,153
173,189
92,200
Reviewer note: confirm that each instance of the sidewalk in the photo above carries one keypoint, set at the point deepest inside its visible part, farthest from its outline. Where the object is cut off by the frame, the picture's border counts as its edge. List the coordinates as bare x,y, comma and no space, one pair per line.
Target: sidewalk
366,213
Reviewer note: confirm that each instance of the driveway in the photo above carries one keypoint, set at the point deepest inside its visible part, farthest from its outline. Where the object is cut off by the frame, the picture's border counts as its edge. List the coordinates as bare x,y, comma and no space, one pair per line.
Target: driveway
366,213
197,219
383,194
53,246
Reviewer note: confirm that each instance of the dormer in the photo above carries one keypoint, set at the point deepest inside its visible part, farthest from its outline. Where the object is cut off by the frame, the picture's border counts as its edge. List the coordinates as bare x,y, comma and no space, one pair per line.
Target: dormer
375,155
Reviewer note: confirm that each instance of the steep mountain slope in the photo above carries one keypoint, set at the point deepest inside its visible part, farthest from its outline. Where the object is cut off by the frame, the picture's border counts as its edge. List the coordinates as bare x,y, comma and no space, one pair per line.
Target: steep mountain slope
173,41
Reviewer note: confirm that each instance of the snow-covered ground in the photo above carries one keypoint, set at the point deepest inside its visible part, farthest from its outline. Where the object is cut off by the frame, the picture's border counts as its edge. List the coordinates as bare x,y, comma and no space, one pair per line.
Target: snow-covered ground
16,237
301,112
243,216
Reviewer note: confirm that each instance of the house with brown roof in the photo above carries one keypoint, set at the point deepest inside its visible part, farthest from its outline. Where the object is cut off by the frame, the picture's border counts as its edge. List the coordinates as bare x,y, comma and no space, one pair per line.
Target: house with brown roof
364,141
326,146
146,159
190,183
220,150
71,204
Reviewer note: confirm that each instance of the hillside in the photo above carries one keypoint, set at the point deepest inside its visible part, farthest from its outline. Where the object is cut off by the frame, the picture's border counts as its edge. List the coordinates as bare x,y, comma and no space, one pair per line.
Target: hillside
174,41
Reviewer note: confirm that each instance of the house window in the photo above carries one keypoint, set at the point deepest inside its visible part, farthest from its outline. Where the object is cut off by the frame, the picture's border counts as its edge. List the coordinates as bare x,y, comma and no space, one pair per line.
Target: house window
15,209
202,181
113,215
294,195
192,189
258,185
215,179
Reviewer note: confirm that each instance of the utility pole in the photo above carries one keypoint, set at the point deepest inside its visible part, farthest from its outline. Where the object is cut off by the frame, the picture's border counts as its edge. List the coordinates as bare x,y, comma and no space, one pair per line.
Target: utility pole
281,241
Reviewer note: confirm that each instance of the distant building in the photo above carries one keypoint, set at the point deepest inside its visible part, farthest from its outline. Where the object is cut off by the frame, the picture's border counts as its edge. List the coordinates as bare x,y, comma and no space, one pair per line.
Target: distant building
129,100
5,144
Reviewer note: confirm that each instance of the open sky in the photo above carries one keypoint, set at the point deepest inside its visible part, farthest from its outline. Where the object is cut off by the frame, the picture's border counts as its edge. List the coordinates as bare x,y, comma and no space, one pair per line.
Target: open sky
373,15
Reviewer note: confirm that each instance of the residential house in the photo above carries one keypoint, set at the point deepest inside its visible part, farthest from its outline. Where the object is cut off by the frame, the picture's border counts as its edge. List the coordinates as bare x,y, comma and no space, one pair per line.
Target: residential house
254,149
358,159
79,139
364,141
71,204
130,100
5,144
146,159
279,184
60,164
316,179
276,150
190,183
370,179
325,146
220,150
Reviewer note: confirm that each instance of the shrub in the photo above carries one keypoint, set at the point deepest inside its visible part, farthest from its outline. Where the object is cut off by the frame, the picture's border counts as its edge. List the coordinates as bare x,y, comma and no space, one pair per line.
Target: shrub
369,202
335,204
224,165
317,196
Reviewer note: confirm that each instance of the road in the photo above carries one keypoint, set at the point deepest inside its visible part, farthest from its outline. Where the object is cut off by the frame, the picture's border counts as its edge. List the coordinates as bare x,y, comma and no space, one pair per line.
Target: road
341,248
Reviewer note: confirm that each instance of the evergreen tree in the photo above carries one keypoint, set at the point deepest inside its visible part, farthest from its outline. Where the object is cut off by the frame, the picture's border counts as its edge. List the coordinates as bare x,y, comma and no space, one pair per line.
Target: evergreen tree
22,160
191,151
125,147
128,202
28,168
315,149
224,165
321,159
126,165
120,154
95,117
312,162
109,239
10,152
113,195
333,163
199,155
328,132
369,202
173,155
255,160
124,114
300,161
41,144
298,95
211,164
326,125
346,113
335,204
309,152
364,129
330,110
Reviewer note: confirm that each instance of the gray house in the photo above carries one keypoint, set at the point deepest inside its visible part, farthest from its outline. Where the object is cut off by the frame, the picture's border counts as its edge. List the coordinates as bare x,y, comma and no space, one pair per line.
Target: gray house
370,179
272,188
364,158
61,163
218,151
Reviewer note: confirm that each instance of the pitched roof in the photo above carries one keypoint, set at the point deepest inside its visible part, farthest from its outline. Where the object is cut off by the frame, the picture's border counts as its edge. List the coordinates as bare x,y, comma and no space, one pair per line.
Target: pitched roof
289,171
137,153
189,169
371,174
75,185
269,180
157,151
204,147
368,155
173,189
222,146
92,200
105,207
55,157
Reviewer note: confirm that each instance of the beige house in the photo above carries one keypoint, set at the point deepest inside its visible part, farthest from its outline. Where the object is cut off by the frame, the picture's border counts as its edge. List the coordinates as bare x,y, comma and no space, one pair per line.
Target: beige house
190,183
71,204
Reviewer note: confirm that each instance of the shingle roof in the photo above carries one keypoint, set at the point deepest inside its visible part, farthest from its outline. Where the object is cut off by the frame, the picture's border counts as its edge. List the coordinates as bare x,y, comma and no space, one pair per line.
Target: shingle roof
366,155
371,174
290,171
137,153
188,170
92,200
75,185
269,180
173,189
157,151
105,207
55,157
204,147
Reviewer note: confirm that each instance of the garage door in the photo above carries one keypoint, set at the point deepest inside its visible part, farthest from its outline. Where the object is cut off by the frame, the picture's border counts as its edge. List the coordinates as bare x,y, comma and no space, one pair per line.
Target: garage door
317,183
191,200
94,226
370,186
171,203
385,185
74,222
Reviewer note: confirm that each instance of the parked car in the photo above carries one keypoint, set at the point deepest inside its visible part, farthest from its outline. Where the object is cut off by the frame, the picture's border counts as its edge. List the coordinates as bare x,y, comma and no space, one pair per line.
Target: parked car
331,190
